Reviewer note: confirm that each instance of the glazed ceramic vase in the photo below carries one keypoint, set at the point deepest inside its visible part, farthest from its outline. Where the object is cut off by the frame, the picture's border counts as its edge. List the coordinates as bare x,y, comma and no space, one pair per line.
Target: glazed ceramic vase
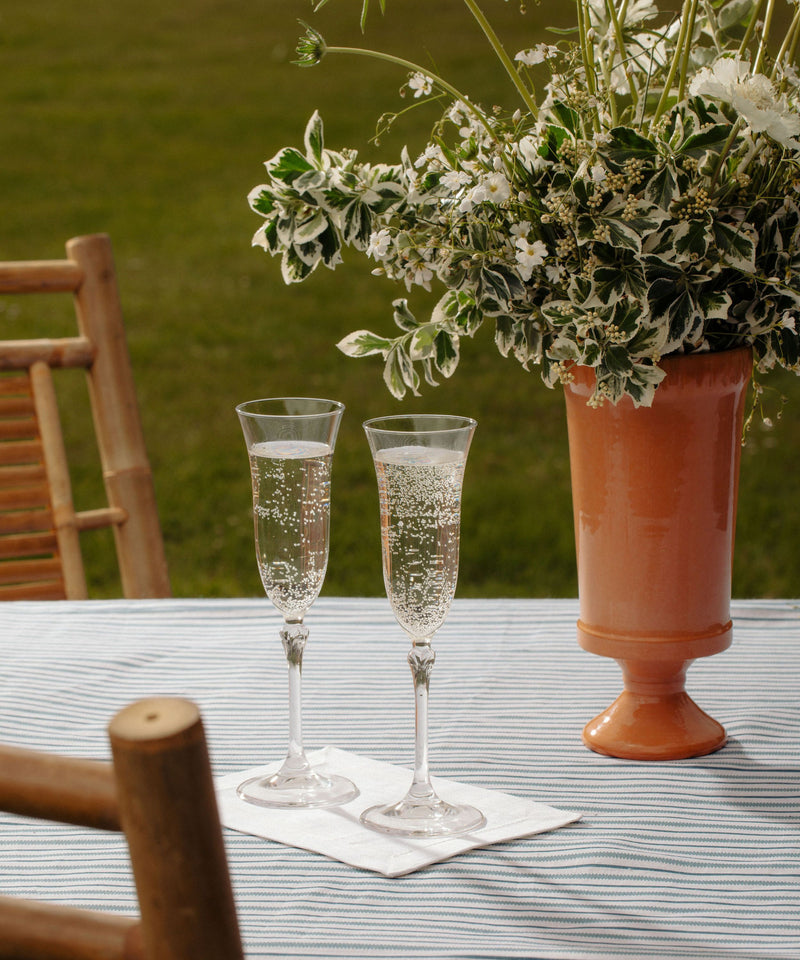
654,498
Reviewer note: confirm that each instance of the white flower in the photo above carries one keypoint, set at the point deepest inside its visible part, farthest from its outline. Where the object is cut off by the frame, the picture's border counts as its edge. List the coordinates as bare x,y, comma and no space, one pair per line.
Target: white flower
379,243
537,54
419,275
493,189
431,155
787,322
520,229
421,84
598,173
453,180
529,255
753,96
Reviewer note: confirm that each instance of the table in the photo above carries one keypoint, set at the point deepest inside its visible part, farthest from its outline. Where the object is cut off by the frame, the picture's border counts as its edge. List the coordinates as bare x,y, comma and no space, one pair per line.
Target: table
691,859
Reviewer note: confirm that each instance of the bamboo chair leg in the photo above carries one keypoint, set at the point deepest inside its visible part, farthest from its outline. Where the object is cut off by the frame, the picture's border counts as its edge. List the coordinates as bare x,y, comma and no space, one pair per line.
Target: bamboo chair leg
169,813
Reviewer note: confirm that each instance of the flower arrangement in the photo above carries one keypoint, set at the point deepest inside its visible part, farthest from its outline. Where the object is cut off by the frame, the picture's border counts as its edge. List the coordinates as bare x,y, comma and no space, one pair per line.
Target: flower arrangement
648,203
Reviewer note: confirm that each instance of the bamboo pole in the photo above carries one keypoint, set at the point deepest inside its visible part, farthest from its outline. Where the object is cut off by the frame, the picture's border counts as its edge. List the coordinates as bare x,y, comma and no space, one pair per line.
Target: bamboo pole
46,931
58,481
67,352
39,276
126,469
52,787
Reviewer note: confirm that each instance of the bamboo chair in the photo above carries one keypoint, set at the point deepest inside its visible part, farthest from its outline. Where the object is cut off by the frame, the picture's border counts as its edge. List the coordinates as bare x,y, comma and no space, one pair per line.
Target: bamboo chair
40,553
159,791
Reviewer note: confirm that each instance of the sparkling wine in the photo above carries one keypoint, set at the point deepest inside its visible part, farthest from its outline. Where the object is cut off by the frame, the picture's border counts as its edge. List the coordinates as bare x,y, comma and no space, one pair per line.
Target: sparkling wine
291,503
420,497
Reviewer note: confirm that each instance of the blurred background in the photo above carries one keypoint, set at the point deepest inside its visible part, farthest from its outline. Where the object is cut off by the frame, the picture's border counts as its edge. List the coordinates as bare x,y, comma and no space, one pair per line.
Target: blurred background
150,120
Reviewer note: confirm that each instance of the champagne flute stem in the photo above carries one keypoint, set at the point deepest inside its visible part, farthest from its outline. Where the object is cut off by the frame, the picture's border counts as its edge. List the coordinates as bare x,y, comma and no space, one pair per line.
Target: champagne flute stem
294,636
421,660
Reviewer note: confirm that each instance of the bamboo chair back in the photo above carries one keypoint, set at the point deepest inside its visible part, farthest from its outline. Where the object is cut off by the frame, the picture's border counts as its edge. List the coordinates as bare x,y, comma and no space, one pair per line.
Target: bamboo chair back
40,551
159,790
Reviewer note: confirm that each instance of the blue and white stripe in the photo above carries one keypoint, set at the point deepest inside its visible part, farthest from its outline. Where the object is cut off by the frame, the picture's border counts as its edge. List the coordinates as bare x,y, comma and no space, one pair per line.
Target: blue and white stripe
692,859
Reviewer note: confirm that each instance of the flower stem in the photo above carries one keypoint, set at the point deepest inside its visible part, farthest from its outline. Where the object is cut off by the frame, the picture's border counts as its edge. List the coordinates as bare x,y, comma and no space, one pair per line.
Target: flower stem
687,49
789,45
586,54
623,53
751,26
504,58
673,67
416,68
764,35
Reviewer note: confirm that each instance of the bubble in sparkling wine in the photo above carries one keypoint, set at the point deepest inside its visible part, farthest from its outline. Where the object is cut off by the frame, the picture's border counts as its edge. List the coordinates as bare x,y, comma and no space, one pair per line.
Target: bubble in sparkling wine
420,495
291,504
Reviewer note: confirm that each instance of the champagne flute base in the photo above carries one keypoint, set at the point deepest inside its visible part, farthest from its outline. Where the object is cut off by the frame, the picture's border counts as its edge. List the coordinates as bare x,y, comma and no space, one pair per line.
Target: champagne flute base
430,818
307,789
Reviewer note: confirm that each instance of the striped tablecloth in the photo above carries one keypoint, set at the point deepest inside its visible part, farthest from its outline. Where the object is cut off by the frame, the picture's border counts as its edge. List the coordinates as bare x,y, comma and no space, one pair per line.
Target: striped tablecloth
692,859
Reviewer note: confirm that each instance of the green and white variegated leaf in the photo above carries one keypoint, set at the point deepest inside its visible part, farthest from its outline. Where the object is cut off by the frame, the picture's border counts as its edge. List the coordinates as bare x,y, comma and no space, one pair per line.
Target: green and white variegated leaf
613,385
308,184
692,238
457,311
331,248
293,268
447,352
649,340
713,304
364,343
615,232
288,165
626,316
266,237
421,345
736,245
560,313
284,228
662,188
357,226
616,359
642,382
625,143
671,301
393,375
309,253
647,218
590,352
314,140
614,282
504,336
710,140
262,200
565,348
528,341
309,229
403,316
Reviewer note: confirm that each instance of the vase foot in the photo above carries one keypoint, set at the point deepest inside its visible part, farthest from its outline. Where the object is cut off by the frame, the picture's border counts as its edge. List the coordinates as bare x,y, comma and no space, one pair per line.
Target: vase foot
642,727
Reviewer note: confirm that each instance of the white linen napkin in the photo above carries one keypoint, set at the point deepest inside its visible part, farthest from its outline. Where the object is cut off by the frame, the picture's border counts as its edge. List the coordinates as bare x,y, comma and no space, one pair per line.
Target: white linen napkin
337,833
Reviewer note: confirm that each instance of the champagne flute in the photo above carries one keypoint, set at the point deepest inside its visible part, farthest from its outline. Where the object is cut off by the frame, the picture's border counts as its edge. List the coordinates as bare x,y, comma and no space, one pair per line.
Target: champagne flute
419,462
290,443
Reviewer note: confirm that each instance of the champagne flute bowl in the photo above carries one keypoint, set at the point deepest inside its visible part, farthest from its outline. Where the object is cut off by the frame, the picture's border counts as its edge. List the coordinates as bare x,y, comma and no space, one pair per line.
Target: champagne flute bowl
290,442
419,464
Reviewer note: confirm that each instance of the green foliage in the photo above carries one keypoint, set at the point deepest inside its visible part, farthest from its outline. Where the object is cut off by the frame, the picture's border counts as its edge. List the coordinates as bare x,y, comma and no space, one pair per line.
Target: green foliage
659,155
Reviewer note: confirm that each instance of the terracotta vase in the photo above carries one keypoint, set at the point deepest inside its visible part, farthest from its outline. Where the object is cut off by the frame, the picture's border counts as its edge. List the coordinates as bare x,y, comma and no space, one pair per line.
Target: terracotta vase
654,498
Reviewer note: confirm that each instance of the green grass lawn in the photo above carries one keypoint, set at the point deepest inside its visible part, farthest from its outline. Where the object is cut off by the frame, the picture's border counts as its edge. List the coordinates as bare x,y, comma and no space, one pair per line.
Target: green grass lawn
150,121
